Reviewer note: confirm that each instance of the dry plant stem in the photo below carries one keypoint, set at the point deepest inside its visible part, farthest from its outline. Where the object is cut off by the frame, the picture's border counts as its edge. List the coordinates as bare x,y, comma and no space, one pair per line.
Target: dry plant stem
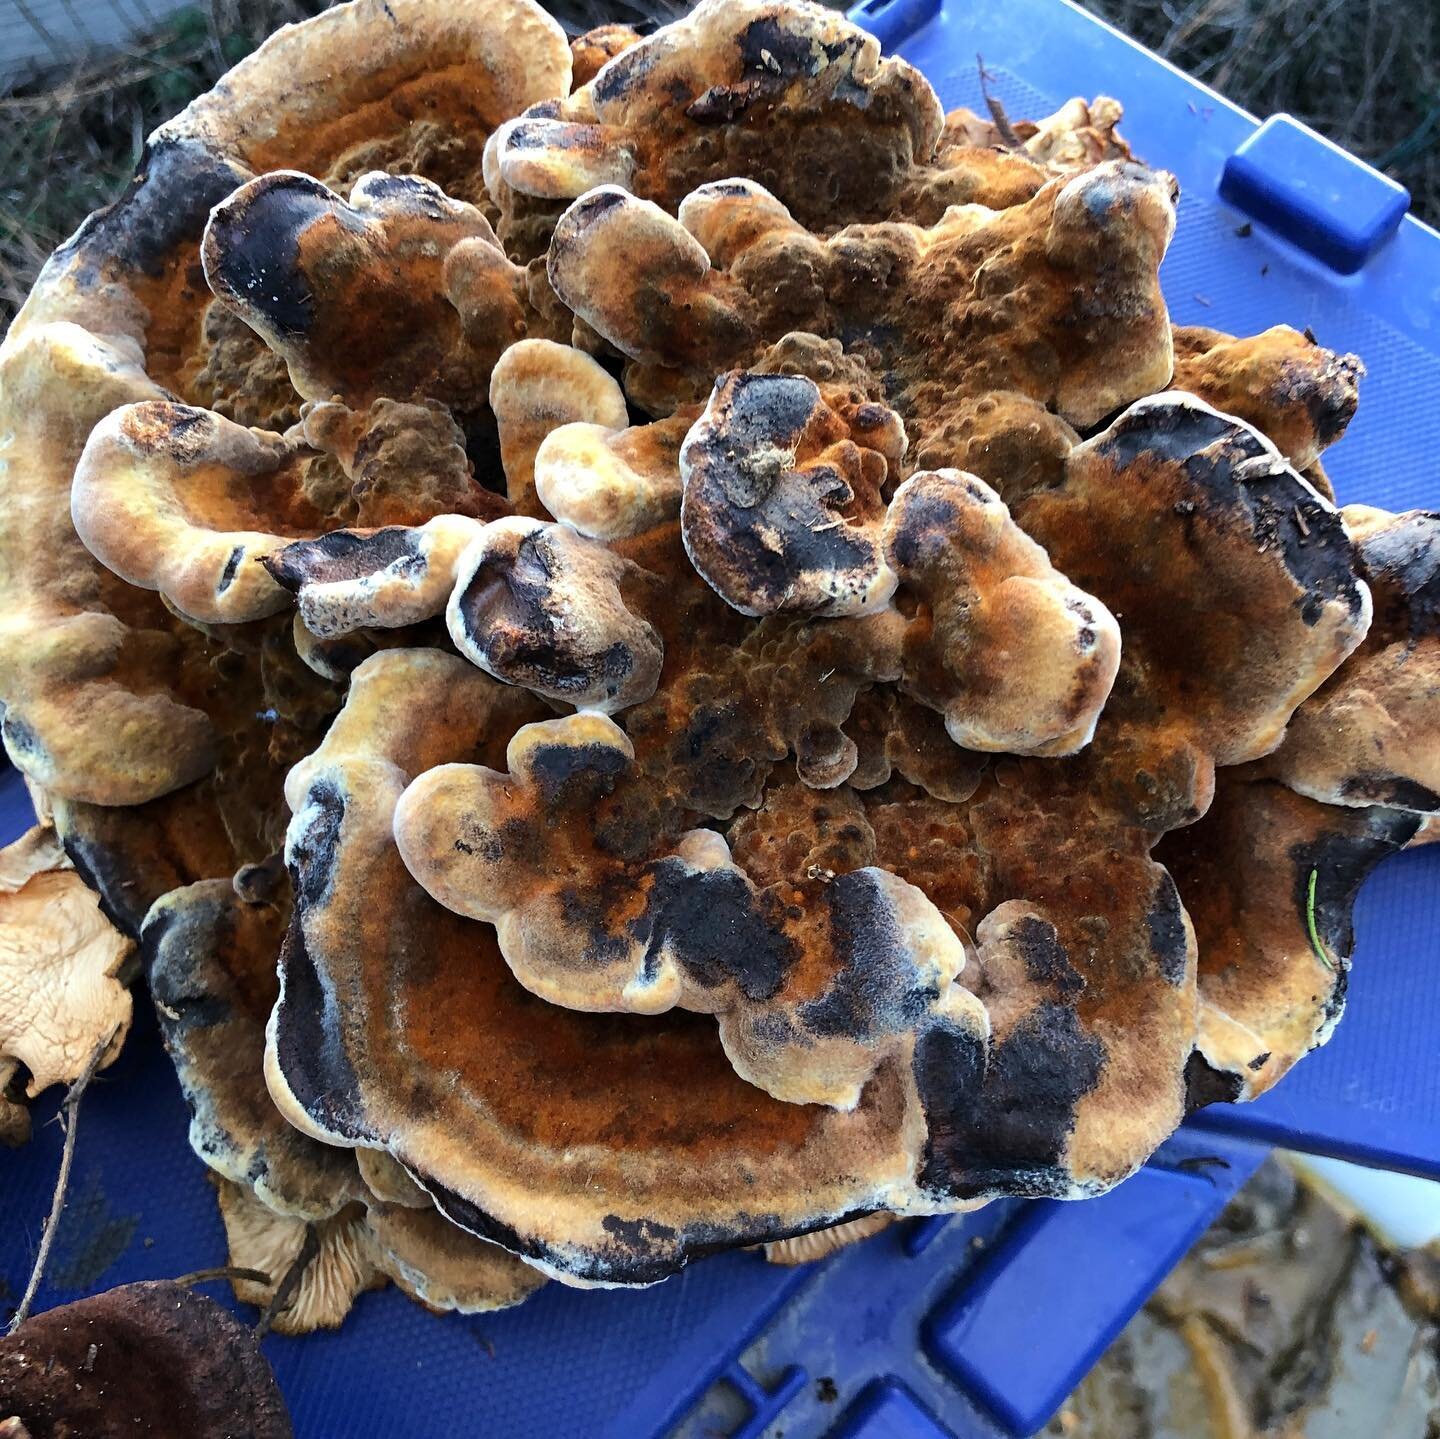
222,1271
69,1112
290,1282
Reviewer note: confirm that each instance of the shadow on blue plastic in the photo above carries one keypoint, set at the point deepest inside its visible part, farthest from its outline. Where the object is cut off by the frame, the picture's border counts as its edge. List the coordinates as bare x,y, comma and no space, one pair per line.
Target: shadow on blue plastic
885,1410
893,21
1029,1322
765,1404
1313,193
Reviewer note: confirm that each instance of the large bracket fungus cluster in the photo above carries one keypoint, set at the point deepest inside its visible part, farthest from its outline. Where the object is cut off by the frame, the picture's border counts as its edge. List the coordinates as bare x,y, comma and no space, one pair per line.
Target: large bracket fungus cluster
661,647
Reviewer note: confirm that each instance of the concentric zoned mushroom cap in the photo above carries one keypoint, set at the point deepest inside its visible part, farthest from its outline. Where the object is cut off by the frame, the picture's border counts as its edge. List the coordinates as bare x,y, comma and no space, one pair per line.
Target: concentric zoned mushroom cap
1065,996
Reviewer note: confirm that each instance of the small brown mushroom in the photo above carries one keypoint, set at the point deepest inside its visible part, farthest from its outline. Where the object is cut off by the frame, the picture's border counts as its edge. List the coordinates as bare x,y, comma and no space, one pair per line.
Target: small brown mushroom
784,497
349,580
613,484
1013,655
186,502
536,387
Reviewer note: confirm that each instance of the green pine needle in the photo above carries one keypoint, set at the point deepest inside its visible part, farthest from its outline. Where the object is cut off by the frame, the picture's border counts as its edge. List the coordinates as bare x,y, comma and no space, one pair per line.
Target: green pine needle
1315,944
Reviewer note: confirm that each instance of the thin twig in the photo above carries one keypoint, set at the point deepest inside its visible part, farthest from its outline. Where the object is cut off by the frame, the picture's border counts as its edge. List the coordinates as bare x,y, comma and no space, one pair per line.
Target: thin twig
284,1291
70,1110
222,1271
997,111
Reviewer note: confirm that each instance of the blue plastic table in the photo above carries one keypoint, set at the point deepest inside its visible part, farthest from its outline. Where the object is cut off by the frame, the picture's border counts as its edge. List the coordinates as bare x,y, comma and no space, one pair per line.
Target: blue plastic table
974,1326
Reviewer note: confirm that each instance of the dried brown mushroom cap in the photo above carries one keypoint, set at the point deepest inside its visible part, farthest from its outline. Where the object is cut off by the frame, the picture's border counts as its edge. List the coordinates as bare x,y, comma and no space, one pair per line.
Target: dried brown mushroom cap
536,387
613,484
1014,656
790,94
349,580
401,292
1370,734
188,503
816,981
153,1358
939,307
784,496
1299,394
1234,584
61,995
360,1248
1269,879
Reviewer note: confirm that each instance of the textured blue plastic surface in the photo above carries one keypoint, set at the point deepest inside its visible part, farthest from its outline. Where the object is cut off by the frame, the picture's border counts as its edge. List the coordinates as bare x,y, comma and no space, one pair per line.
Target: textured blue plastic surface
1311,191
734,1347
1027,1286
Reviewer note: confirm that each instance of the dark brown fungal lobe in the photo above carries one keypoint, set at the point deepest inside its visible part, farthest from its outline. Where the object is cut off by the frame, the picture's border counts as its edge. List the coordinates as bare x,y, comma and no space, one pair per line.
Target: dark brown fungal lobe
1267,876
1368,735
784,496
1234,583
144,1358
538,605
401,292
1293,390
210,961
1015,657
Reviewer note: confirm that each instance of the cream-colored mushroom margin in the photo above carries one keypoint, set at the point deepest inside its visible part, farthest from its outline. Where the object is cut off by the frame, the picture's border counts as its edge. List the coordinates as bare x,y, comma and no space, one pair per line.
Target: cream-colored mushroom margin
60,995
536,387
173,498
355,579
1015,657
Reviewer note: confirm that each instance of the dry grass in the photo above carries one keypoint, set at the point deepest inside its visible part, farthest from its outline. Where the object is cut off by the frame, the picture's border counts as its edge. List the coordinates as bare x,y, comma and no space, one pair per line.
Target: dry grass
1366,72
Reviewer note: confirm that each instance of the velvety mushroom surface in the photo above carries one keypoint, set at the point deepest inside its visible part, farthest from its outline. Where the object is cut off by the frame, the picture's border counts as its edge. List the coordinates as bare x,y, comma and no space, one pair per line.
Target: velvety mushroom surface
661,647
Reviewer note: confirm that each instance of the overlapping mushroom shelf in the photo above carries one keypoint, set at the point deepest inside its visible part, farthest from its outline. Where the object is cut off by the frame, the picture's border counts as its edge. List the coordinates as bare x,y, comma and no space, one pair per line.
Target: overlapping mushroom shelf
784,687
